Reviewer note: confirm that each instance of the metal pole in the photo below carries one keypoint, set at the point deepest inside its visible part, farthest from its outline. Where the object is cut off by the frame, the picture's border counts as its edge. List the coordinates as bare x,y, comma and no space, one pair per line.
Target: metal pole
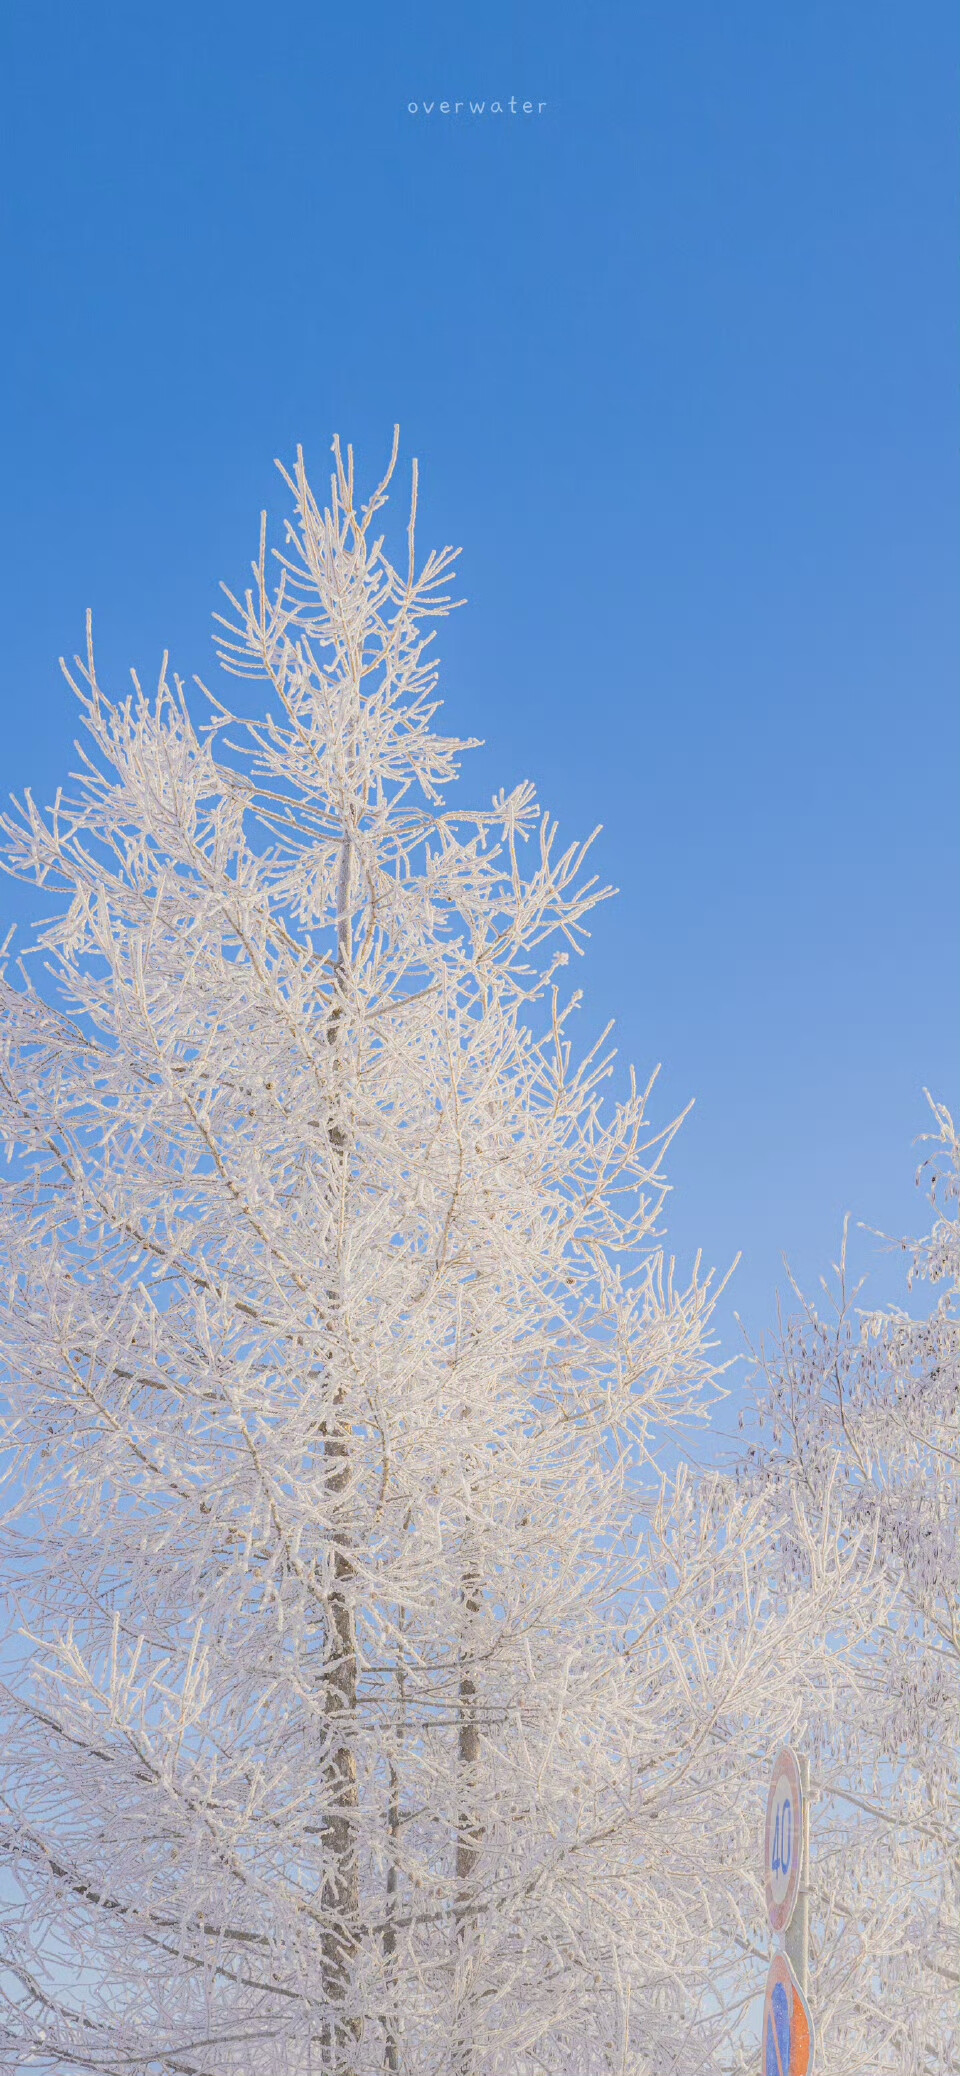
796,1939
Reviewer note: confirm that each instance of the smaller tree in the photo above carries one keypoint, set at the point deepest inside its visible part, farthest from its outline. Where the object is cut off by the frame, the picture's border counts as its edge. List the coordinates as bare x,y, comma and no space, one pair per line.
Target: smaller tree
863,1412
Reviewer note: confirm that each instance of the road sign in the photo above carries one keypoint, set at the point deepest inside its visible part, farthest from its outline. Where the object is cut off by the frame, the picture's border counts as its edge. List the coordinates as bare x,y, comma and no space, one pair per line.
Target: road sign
788,2041
783,1840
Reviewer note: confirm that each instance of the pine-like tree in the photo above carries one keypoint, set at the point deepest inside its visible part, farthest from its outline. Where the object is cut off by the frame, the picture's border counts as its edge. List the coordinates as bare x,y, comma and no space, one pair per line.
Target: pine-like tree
368,1688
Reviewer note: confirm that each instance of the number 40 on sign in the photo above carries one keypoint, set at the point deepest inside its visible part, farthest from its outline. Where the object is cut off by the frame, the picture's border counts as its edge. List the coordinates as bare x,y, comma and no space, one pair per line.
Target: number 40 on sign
783,1843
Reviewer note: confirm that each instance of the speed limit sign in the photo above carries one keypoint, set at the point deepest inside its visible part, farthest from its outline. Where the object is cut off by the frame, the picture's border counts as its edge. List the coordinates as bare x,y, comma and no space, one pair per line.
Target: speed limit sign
783,1840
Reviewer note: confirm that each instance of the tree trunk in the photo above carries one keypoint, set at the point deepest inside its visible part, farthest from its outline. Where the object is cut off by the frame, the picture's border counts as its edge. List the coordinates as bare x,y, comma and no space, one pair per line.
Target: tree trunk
392,2050
341,1888
341,1899
469,1831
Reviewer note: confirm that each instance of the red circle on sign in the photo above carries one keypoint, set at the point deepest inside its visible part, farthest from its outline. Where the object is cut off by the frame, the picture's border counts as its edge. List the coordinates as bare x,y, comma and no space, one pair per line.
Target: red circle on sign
783,1840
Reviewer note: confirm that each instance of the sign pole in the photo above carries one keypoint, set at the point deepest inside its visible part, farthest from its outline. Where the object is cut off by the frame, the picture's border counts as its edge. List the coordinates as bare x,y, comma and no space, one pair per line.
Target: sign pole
796,1938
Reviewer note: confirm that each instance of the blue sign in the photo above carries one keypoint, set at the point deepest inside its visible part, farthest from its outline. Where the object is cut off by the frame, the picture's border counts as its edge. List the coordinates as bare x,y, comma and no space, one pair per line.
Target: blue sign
776,2060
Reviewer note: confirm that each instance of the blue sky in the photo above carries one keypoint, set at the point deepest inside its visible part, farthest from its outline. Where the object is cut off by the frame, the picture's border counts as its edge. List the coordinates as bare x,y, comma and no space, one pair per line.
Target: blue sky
677,358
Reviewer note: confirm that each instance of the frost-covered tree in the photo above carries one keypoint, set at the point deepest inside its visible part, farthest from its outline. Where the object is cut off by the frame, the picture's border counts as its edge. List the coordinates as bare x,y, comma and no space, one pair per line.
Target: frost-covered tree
864,1411
369,1691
